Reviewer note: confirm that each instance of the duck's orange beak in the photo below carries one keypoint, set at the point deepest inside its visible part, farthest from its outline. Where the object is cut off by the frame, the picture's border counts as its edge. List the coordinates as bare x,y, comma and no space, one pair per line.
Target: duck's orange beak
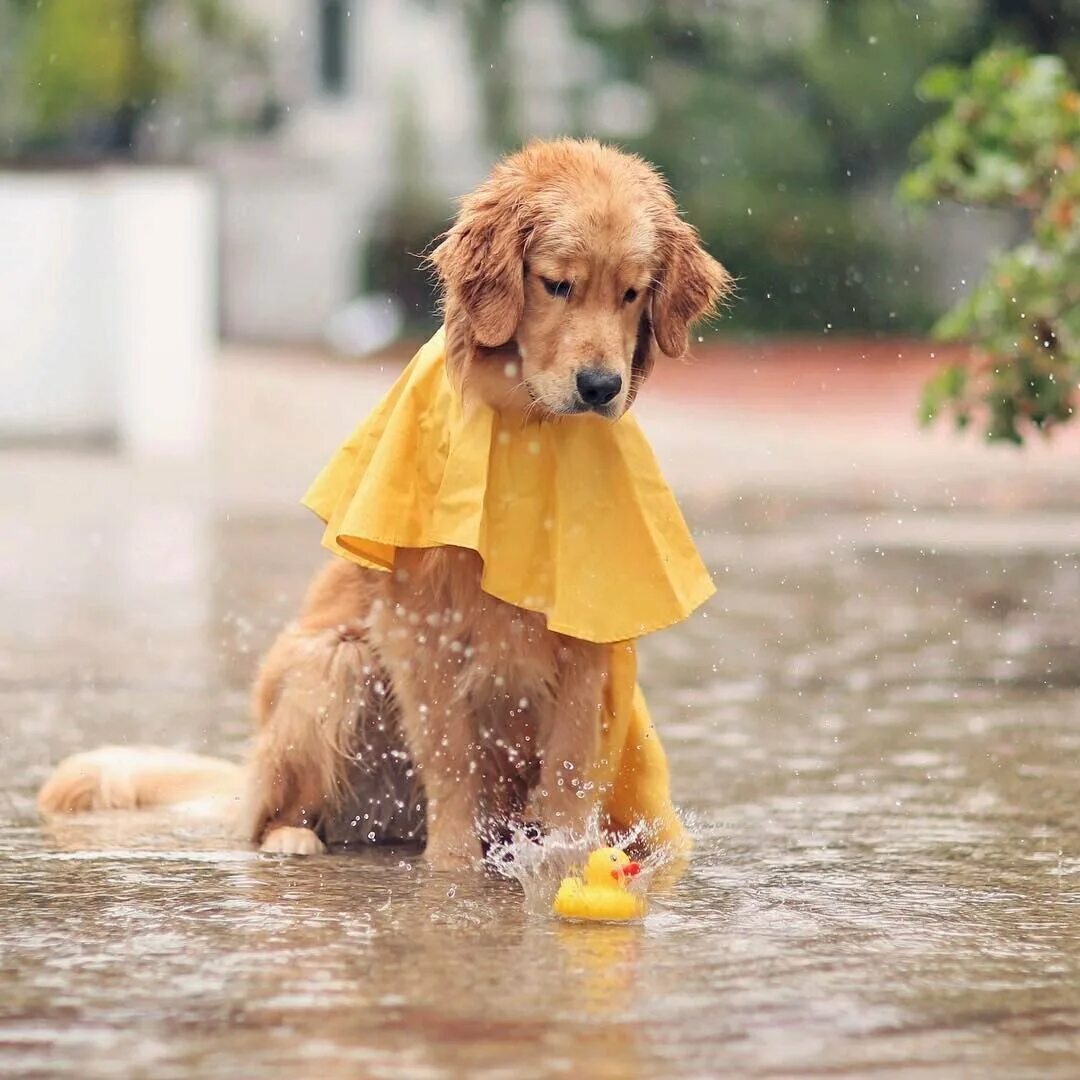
631,869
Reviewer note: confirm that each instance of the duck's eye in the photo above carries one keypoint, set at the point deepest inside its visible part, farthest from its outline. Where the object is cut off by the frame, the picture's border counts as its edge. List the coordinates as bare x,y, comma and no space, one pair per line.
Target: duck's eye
629,296
560,289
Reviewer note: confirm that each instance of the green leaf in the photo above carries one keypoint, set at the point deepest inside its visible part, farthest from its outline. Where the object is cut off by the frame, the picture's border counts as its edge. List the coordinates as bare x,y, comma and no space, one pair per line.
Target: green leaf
941,83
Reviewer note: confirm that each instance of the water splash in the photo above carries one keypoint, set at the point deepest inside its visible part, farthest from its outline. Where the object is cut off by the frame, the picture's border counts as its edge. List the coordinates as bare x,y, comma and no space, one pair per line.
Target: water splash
538,863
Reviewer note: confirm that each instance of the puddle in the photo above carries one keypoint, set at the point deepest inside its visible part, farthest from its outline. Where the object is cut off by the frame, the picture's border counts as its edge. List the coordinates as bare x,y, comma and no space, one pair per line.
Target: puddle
874,732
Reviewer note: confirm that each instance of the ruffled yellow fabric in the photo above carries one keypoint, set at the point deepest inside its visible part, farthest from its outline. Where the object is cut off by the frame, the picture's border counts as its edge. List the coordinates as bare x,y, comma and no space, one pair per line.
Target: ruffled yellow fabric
571,517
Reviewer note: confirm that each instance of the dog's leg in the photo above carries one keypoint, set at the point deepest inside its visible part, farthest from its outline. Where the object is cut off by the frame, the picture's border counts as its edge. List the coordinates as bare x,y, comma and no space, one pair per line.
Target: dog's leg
569,737
409,630
444,745
308,699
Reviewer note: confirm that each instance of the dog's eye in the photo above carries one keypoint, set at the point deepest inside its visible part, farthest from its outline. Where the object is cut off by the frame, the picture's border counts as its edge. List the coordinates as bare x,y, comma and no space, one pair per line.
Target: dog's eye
629,296
561,289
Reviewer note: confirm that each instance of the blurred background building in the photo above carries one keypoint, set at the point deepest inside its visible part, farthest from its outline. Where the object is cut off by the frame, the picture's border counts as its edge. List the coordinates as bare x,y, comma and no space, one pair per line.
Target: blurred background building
322,142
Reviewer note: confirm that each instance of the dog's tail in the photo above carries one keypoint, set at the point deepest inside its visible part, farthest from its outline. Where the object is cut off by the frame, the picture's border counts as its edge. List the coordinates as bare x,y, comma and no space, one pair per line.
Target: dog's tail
134,777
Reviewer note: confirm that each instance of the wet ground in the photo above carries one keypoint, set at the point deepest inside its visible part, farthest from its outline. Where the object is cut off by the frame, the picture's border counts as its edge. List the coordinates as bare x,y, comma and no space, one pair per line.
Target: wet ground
874,728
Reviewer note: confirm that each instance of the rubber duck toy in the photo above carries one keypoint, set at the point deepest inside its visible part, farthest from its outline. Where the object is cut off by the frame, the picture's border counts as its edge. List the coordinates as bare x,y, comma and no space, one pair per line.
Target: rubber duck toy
600,893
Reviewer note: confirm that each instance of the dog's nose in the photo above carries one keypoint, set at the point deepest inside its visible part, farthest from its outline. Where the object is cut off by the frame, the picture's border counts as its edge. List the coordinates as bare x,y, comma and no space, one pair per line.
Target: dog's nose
597,386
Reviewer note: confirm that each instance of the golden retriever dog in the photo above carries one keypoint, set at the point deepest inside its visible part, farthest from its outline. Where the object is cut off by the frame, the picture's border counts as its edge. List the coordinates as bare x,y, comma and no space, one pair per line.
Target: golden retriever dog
564,275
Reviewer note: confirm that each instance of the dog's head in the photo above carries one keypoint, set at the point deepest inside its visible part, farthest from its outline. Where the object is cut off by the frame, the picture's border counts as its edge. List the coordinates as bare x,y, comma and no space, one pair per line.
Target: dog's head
564,273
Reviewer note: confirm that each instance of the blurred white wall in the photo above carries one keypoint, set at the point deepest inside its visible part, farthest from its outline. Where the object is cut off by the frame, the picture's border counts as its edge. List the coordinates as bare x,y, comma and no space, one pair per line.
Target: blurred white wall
57,374
107,285
163,315
287,245
298,206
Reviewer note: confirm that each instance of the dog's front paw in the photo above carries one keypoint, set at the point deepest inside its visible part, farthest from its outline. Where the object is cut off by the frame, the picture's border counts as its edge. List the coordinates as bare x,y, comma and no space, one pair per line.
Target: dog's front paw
287,840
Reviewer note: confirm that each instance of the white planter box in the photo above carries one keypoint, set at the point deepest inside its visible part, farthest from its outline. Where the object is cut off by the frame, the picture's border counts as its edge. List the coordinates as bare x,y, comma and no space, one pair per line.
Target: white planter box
107,306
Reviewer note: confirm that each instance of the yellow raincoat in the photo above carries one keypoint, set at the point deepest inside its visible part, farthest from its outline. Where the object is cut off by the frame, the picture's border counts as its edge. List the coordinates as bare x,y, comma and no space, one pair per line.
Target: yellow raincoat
571,517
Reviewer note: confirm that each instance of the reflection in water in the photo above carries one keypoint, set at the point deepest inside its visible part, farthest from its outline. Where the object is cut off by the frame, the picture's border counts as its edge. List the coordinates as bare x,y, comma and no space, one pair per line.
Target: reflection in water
601,966
878,744
600,969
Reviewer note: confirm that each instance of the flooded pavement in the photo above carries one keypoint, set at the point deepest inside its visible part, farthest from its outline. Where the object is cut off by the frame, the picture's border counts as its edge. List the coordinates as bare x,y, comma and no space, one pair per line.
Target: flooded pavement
875,731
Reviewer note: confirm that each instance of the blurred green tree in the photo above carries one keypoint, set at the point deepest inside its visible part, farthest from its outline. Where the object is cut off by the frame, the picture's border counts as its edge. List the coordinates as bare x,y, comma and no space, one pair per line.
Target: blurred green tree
1010,137
782,126
488,24
392,259
776,125
79,79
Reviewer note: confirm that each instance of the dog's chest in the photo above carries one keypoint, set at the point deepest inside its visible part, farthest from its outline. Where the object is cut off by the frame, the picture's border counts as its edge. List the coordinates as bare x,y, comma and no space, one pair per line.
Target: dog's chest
490,651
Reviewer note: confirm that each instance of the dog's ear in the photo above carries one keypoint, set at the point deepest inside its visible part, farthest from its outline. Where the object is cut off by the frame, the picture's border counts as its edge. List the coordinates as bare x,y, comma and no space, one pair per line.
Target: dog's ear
690,284
481,260
642,363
